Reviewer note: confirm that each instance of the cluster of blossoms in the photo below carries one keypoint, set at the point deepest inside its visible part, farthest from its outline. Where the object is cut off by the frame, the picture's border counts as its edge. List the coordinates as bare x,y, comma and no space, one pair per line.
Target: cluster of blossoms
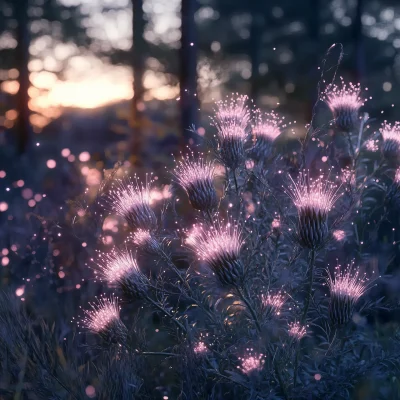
219,243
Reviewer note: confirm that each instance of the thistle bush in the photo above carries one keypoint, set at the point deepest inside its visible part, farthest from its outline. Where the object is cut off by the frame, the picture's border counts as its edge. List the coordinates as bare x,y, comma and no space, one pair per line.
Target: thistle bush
251,290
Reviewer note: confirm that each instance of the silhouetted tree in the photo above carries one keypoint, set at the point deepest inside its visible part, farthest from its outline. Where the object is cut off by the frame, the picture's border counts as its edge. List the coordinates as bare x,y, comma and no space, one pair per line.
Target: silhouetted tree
138,65
188,72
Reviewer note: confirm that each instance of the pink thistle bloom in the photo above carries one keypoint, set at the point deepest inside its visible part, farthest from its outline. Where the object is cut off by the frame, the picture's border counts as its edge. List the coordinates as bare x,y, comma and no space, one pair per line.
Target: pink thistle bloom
196,178
266,129
232,118
200,348
103,319
131,200
339,235
251,363
344,101
121,267
220,249
297,331
313,200
346,287
391,140
273,303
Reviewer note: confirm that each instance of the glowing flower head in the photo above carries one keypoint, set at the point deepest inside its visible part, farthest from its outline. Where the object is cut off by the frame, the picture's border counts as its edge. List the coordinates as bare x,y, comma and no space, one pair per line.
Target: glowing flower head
273,303
131,200
297,331
371,145
146,242
251,362
200,348
339,235
346,286
196,178
391,140
121,267
313,200
344,101
266,129
103,319
220,249
231,119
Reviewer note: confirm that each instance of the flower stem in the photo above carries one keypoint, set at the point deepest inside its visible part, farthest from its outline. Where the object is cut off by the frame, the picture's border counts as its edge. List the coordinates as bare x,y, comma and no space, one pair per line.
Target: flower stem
305,311
250,308
169,315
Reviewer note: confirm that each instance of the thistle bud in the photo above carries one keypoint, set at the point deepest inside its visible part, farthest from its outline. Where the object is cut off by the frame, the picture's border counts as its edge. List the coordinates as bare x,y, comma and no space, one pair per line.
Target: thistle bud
131,200
391,140
103,319
344,102
220,249
121,268
196,178
313,200
231,119
345,287
272,303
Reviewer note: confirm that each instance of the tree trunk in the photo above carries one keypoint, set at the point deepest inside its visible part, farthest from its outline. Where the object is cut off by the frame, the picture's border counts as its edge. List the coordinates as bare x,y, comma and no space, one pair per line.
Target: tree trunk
256,31
22,59
358,40
188,72
138,66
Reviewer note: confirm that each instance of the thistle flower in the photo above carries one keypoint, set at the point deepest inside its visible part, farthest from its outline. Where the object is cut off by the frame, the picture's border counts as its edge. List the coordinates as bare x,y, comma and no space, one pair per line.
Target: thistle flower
346,287
265,131
196,178
313,200
200,348
103,319
251,362
146,242
273,303
231,119
131,200
297,331
120,267
344,102
339,235
371,145
220,249
391,140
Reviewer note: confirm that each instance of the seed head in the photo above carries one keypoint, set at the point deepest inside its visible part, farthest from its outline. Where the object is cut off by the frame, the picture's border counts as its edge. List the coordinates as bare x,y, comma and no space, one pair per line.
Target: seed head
251,362
131,200
391,140
103,319
196,178
346,286
220,249
266,129
297,331
120,267
344,101
231,119
313,200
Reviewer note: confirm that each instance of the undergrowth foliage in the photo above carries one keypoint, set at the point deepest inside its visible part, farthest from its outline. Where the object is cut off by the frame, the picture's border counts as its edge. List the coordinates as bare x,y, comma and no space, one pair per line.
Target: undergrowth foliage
250,289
